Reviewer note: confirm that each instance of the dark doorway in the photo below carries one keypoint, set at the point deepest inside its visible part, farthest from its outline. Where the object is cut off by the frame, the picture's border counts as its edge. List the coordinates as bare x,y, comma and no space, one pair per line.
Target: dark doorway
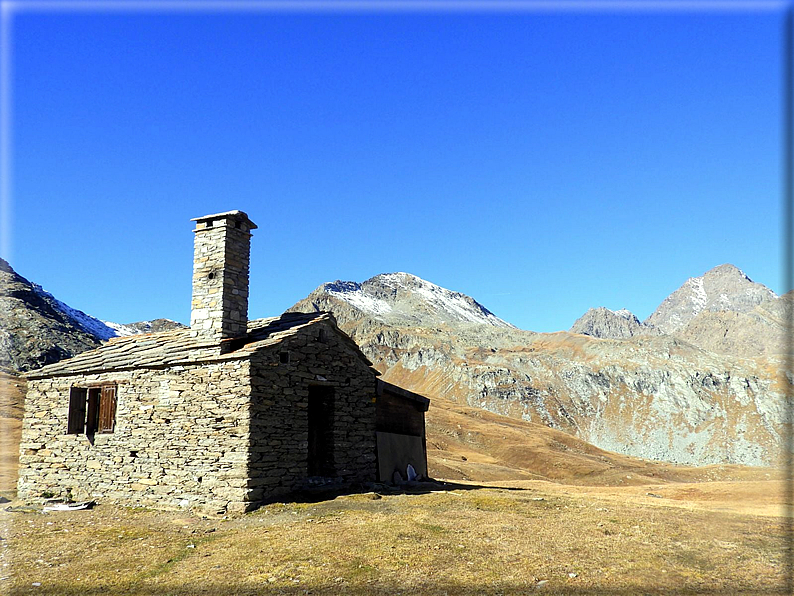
92,418
321,431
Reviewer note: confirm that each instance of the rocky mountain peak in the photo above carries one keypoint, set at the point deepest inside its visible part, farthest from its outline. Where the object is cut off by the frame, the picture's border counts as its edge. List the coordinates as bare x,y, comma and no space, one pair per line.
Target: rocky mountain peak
625,313
399,298
341,287
610,324
141,327
723,288
726,270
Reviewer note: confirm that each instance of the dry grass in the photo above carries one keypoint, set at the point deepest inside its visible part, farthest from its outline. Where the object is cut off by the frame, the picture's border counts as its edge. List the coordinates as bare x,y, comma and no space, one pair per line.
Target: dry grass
479,541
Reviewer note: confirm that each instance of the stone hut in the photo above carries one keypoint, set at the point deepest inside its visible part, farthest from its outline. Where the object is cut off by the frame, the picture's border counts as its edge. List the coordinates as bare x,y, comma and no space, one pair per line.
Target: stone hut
225,415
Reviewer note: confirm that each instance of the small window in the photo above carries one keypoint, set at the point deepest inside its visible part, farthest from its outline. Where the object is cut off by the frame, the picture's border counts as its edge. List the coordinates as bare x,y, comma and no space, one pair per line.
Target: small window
91,410
322,336
283,357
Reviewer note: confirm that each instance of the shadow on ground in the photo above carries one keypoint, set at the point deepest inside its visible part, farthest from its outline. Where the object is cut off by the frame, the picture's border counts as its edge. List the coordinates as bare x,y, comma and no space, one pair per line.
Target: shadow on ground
327,492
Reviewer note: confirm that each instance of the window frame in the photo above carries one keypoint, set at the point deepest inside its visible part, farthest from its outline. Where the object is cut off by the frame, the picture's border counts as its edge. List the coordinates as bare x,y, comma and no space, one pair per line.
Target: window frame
92,409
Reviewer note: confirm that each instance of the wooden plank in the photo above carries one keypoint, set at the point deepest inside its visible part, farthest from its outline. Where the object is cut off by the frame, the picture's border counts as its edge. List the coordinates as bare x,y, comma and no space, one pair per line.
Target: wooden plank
107,409
76,421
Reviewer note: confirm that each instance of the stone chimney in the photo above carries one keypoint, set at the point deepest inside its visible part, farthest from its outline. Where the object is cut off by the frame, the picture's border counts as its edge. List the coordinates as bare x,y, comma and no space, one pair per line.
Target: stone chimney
221,252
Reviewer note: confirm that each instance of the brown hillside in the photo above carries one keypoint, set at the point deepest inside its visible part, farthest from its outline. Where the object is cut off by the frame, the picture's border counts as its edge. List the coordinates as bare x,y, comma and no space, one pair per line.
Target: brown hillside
465,443
12,396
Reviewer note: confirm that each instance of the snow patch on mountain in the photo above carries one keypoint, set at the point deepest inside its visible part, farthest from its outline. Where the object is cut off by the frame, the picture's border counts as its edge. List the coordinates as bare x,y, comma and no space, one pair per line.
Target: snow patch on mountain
625,313
699,298
725,288
453,302
102,330
407,297
86,322
121,330
351,292
460,306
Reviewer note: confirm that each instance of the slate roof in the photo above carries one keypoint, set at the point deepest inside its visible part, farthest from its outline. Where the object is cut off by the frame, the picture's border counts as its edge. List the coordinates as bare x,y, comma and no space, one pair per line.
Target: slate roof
170,348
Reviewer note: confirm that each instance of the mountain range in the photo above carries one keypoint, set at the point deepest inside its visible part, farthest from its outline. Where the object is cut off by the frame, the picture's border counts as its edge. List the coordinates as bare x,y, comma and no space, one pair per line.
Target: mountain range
722,311
697,382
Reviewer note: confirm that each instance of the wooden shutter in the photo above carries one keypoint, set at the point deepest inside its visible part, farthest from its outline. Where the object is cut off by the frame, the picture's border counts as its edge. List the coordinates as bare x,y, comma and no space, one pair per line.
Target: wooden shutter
76,421
107,409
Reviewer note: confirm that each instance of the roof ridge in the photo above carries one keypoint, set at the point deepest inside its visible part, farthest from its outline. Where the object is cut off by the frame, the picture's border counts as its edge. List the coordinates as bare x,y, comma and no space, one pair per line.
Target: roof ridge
164,348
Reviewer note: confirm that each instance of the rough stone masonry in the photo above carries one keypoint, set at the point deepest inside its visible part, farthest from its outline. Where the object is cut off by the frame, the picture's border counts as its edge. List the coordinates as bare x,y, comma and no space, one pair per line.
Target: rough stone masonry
221,254
221,416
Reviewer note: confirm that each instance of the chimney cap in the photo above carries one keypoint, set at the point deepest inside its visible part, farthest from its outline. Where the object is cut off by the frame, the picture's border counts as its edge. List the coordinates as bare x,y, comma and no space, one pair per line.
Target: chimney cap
227,215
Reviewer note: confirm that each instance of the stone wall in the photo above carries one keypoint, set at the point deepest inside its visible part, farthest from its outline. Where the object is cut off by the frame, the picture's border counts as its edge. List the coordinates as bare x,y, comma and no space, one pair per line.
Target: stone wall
279,416
180,439
219,307
226,434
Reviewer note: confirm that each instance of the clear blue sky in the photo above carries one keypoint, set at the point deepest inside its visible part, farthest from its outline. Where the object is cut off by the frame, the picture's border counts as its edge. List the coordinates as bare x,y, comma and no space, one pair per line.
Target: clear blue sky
542,162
